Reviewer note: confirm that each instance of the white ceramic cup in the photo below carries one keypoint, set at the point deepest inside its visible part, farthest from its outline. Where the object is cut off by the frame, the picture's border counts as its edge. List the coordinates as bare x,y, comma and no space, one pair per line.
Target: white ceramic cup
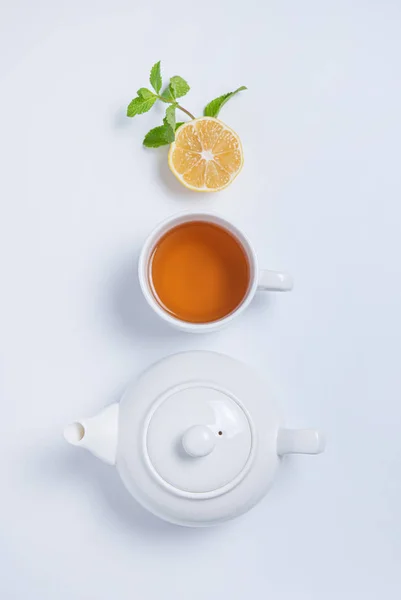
259,280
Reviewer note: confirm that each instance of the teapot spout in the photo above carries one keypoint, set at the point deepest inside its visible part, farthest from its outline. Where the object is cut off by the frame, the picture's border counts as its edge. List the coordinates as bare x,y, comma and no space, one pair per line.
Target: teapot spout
300,441
98,434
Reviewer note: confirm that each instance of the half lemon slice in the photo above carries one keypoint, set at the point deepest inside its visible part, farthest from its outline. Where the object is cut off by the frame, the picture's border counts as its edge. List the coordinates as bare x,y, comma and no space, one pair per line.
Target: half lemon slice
206,155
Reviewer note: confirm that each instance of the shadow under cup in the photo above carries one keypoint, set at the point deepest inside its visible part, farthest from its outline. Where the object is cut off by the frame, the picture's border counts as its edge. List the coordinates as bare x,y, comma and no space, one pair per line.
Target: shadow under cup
198,269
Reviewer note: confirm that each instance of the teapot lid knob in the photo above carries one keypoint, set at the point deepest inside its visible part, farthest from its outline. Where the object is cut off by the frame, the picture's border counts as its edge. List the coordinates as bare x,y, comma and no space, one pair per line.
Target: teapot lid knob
198,441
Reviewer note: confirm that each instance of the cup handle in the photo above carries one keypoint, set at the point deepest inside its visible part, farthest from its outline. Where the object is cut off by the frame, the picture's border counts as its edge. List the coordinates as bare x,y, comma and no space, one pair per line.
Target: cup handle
274,281
300,441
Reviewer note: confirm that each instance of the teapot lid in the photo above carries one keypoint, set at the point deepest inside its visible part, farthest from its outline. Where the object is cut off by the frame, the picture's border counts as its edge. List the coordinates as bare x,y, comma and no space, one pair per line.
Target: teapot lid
198,439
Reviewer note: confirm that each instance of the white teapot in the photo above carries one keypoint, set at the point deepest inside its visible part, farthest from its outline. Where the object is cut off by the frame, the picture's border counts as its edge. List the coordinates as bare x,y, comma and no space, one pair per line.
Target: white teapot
196,439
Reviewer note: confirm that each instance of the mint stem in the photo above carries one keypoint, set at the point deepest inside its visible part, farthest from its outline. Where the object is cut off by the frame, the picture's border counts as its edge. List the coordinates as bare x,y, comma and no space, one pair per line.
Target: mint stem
186,111
178,106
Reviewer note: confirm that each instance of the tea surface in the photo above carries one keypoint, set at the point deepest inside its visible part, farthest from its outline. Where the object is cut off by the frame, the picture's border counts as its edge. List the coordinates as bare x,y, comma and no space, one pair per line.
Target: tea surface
199,272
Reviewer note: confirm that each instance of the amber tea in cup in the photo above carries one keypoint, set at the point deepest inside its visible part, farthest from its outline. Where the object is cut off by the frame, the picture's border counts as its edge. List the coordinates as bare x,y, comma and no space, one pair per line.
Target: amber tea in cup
199,272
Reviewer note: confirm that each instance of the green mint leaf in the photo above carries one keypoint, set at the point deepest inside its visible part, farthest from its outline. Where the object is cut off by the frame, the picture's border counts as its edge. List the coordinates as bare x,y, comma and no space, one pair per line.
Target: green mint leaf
159,136
167,124
168,94
140,105
214,107
179,86
145,93
177,125
156,77
170,115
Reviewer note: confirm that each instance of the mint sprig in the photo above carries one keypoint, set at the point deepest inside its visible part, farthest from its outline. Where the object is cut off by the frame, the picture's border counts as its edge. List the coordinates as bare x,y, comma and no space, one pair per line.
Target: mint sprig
176,88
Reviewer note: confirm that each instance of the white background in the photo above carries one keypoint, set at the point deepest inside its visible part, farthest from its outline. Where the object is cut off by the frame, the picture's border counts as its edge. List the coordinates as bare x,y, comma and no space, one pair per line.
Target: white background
320,196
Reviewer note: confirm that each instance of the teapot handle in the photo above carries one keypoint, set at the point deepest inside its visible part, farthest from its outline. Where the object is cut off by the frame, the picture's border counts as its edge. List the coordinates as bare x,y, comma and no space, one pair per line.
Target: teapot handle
300,441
